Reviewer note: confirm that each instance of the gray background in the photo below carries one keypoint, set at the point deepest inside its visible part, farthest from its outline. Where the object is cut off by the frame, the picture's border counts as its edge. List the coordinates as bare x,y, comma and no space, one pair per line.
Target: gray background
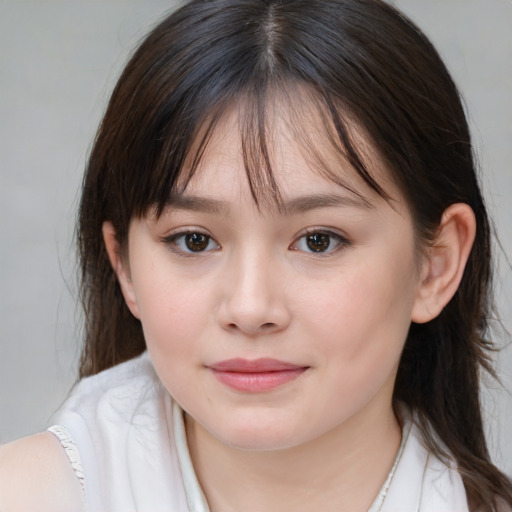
58,62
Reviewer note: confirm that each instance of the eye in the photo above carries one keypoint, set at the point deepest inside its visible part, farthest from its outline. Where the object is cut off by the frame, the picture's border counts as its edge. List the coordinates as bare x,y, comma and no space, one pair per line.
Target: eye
191,242
320,241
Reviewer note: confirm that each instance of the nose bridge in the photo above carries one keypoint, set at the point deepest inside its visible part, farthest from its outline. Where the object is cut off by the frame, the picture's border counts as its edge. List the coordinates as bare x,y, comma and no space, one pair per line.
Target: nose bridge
254,298
254,272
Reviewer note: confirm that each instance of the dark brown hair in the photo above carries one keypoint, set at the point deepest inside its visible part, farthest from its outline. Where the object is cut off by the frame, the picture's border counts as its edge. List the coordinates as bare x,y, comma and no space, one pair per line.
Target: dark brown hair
360,60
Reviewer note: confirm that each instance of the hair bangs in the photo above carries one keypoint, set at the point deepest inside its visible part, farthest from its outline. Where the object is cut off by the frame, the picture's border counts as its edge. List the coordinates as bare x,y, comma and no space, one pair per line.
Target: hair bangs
330,140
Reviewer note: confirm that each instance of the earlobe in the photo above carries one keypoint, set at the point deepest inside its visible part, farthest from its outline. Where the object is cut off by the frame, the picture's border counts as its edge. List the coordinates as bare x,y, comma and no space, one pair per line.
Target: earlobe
445,262
120,265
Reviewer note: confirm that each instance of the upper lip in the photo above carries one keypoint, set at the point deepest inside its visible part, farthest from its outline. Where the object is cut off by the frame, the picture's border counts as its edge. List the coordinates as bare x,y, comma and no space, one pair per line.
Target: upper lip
261,365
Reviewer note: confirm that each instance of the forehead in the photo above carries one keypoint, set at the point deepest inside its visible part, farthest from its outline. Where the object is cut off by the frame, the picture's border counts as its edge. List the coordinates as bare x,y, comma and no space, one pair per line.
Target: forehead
291,145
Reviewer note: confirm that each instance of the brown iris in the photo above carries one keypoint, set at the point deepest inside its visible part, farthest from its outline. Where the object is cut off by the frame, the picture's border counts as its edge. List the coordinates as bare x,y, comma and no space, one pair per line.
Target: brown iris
318,242
196,242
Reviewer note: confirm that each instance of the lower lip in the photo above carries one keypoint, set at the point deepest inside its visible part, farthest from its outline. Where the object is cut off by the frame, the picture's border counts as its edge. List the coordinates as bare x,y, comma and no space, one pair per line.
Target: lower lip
255,382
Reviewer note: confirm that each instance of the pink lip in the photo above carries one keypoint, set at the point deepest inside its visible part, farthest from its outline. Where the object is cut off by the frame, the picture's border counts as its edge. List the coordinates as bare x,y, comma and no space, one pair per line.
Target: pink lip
255,376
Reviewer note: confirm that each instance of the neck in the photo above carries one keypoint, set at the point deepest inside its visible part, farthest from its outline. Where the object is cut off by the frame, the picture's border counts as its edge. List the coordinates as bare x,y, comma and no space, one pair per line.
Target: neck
341,471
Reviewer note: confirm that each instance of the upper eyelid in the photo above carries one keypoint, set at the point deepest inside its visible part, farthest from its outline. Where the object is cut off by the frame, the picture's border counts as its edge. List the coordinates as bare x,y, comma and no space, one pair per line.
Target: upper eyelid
319,229
173,235
304,232
185,231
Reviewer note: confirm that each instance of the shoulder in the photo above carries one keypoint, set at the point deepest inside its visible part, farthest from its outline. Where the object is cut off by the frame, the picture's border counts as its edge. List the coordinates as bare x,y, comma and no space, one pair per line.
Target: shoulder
127,381
121,423
110,402
37,463
422,481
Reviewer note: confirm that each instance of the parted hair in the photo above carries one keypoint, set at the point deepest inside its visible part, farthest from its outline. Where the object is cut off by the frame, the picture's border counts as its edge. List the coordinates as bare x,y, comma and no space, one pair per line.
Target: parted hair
360,61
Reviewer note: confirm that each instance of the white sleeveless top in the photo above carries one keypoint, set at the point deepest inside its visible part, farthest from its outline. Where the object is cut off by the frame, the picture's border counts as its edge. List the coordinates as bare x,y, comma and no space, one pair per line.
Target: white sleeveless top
125,439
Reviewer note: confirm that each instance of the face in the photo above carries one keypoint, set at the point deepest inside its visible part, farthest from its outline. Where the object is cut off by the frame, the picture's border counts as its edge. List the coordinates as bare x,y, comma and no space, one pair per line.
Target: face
275,327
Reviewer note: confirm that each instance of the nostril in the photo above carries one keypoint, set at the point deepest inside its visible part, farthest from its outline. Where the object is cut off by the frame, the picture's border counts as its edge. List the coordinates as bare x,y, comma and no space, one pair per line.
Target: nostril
268,326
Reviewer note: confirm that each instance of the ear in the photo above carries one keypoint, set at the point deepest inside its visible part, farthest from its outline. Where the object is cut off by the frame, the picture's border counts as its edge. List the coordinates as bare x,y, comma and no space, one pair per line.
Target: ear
121,267
444,264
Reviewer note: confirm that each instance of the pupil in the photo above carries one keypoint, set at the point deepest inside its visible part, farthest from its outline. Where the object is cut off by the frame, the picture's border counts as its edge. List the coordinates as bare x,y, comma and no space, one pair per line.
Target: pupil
318,242
196,241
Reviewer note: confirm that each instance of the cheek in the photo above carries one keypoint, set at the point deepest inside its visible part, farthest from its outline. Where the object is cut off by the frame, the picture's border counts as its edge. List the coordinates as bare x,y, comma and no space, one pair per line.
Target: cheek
172,308
173,317
364,315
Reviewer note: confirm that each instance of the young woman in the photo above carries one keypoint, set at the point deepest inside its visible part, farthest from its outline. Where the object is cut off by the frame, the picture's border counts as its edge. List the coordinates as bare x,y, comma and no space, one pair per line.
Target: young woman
285,271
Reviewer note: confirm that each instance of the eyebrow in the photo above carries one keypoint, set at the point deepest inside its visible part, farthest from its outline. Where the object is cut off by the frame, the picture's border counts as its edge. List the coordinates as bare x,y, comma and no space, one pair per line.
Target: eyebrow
197,204
306,203
294,206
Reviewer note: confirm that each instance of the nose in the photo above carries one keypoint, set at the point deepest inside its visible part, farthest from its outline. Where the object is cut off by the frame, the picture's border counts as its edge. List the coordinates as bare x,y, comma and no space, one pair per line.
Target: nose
254,297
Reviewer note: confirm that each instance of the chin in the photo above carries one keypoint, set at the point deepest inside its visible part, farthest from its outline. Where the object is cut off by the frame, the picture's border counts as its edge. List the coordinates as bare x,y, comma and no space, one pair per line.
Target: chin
256,437
259,443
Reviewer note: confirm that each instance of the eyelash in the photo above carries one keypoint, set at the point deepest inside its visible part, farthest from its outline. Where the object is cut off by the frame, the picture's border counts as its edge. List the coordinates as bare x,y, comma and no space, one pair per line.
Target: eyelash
341,242
175,240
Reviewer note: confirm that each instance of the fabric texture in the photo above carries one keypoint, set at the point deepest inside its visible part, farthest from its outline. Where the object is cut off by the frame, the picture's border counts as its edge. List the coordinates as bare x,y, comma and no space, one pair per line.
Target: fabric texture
130,437
71,451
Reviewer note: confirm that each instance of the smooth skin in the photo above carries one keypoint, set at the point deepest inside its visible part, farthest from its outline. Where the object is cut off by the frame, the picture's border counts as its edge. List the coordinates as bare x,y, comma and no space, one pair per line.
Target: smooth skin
215,278
330,283
35,476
